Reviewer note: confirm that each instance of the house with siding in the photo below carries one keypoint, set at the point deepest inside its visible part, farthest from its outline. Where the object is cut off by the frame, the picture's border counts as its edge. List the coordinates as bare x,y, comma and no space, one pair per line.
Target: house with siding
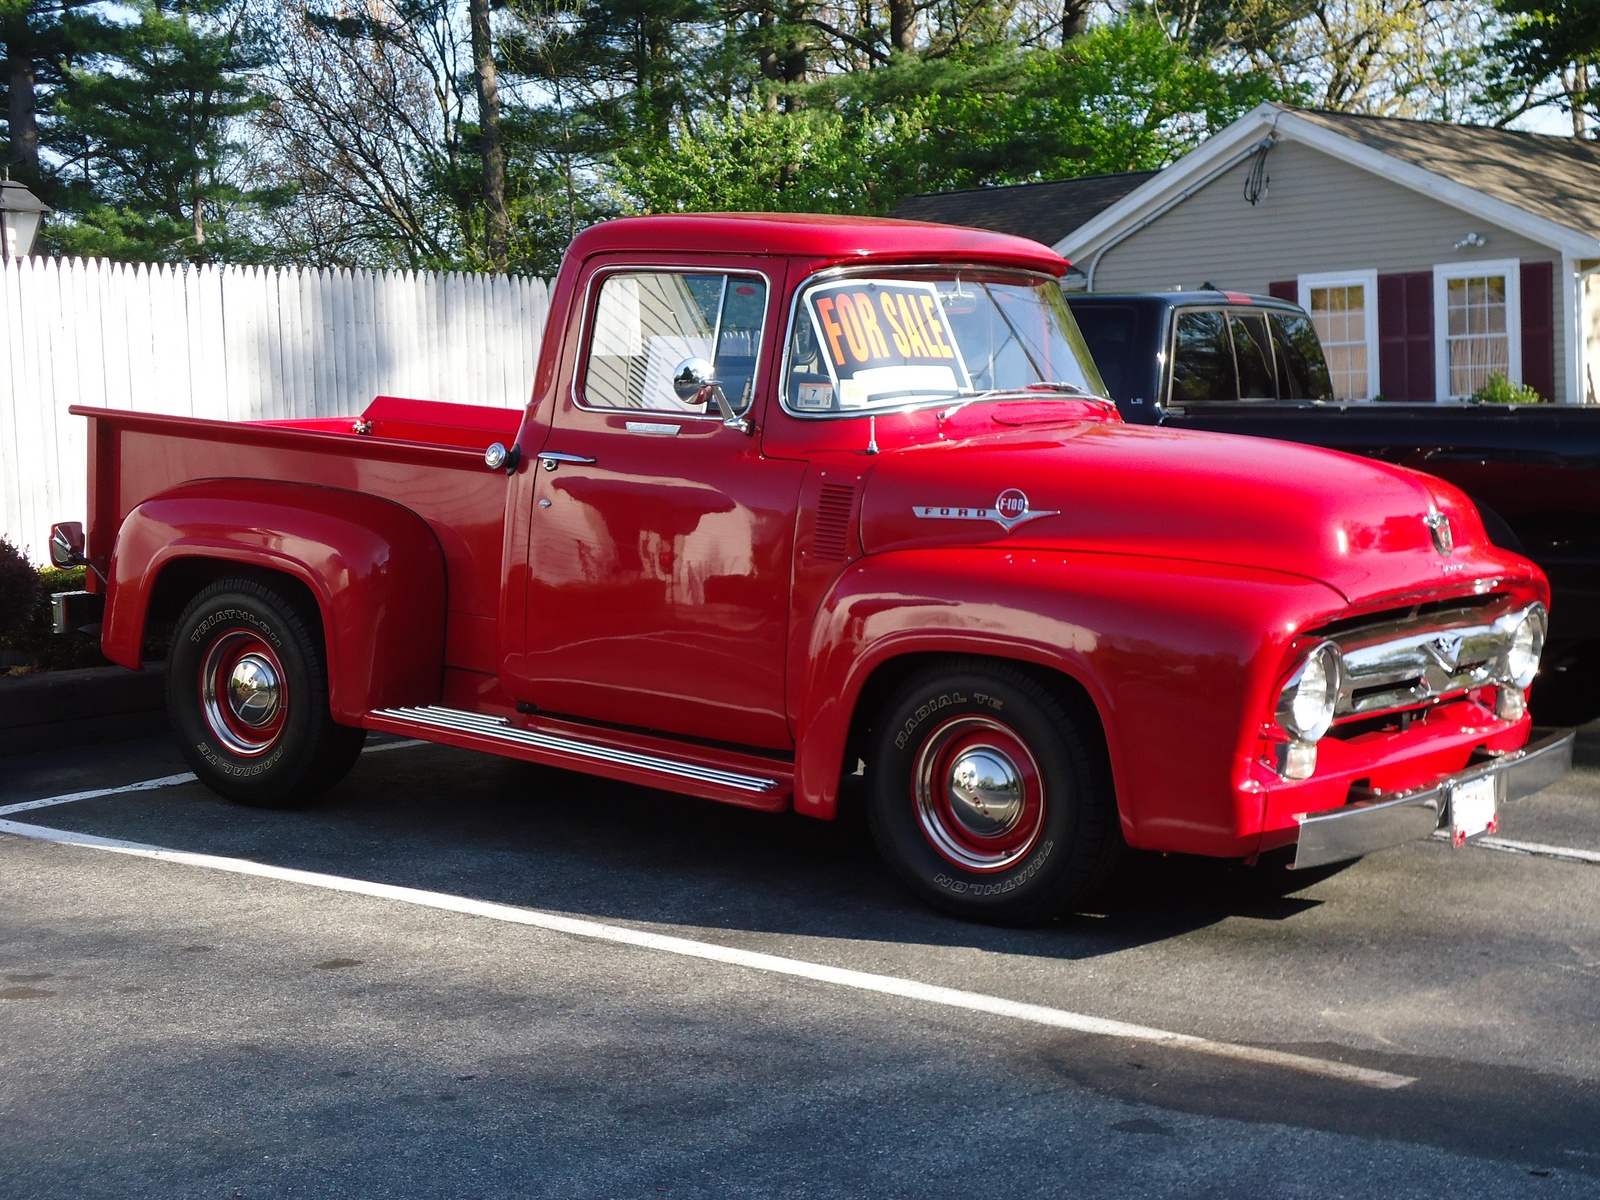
1431,256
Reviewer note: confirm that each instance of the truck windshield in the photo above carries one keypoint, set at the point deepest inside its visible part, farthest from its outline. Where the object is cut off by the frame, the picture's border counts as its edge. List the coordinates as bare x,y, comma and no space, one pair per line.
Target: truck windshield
884,340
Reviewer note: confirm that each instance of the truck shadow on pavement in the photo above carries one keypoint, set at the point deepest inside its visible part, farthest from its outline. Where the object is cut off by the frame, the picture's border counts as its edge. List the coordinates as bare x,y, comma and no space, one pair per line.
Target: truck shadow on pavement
491,829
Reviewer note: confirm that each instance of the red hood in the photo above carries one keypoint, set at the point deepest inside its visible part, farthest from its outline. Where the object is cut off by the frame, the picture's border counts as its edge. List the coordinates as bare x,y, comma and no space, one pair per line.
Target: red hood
1354,524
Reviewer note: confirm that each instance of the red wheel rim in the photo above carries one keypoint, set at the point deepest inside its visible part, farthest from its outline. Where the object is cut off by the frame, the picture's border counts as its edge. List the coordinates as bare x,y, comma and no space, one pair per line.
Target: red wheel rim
978,793
244,694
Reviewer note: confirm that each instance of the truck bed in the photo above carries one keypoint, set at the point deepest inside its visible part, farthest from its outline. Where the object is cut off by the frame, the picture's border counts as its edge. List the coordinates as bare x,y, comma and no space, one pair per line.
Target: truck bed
422,455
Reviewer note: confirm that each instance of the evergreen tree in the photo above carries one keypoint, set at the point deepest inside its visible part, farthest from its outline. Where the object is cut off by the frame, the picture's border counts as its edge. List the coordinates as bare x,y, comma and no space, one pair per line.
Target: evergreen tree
152,122
39,41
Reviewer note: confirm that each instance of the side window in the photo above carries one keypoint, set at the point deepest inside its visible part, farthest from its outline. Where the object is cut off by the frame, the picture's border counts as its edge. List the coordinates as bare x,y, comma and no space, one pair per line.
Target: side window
1202,360
1253,352
1302,371
647,322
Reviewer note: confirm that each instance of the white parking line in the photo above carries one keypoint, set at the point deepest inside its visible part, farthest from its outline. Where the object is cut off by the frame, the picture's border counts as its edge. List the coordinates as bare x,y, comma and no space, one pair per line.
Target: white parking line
754,960
144,785
405,745
150,785
1567,852
1570,853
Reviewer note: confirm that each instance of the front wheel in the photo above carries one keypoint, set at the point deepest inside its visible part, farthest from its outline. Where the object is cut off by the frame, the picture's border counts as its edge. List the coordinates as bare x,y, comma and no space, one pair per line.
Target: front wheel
247,694
990,794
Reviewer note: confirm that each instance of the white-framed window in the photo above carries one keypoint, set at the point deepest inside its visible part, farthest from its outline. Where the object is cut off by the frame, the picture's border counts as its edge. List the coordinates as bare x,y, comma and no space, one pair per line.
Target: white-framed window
1477,325
1344,309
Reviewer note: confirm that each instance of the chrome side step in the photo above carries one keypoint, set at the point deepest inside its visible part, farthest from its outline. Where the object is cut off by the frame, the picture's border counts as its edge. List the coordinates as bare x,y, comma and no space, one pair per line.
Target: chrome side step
500,729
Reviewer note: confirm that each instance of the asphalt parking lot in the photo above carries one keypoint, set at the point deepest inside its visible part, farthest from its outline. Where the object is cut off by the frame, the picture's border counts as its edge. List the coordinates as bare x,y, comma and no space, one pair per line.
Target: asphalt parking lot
470,977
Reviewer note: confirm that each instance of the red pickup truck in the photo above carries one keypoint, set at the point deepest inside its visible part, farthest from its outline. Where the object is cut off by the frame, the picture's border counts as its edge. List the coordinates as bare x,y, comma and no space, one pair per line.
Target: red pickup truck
796,498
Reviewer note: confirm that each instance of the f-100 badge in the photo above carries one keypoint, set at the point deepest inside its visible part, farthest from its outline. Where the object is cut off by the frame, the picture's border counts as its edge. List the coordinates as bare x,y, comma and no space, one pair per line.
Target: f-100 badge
1010,510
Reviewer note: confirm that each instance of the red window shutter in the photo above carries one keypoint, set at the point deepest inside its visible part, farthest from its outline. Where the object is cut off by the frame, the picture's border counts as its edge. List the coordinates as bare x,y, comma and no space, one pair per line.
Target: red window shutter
1539,328
1286,289
1405,336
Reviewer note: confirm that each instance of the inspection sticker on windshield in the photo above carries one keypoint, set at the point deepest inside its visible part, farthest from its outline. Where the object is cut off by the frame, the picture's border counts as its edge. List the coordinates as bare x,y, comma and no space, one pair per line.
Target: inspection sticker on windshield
885,338
1472,810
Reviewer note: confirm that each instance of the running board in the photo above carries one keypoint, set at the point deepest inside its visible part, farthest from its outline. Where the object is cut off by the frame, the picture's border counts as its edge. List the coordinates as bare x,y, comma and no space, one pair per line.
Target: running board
554,748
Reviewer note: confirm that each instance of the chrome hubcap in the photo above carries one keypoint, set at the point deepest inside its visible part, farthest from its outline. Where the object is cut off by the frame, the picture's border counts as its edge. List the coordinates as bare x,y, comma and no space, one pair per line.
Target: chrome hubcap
979,794
243,693
253,690
985,791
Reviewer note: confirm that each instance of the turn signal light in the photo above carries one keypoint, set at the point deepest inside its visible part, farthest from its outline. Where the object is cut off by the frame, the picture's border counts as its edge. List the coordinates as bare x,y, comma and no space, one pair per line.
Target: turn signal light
1295,759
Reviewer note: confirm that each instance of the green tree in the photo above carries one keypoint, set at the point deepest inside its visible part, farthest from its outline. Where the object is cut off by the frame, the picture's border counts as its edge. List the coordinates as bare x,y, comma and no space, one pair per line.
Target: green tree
1556,41
1121,97
40,40
153,167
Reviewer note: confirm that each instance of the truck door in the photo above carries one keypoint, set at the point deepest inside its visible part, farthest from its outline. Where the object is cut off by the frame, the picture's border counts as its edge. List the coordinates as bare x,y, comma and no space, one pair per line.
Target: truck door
660,537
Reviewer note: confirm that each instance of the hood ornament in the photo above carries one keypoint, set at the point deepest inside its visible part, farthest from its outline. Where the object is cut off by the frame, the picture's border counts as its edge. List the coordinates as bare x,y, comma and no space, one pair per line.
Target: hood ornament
1010,510
1439,526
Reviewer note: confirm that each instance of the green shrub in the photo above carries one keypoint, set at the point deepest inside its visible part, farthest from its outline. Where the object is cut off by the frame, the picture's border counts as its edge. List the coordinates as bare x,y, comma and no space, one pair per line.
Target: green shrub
19,590
33,637
1500,390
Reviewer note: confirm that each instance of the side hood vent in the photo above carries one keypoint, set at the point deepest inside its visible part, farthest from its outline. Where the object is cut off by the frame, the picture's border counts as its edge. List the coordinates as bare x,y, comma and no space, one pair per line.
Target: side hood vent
831,542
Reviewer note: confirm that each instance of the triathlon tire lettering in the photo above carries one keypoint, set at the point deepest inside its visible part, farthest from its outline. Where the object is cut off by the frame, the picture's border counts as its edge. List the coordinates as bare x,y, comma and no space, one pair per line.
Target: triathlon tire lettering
235,616
961,887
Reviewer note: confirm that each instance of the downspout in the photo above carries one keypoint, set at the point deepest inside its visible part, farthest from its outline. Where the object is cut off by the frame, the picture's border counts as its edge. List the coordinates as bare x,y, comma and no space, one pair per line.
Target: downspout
1268,141
1578,393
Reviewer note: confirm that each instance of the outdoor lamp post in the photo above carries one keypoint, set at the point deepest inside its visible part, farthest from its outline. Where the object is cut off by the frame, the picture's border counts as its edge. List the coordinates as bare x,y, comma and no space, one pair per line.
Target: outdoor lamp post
20,211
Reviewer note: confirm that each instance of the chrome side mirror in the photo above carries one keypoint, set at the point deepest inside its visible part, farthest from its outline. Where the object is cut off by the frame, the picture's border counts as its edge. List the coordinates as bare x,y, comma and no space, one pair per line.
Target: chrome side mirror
694,383
66,544
692,380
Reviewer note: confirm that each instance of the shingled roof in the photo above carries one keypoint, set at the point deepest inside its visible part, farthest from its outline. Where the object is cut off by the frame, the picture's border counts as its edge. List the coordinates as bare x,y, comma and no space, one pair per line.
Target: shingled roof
1045,212
1554,177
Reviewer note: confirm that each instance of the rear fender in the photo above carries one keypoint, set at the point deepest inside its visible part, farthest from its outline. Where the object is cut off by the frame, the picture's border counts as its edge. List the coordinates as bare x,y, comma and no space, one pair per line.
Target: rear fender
375,569
1178,659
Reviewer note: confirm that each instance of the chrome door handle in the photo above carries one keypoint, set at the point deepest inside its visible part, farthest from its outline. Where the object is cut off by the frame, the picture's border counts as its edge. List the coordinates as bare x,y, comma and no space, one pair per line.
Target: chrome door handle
551,459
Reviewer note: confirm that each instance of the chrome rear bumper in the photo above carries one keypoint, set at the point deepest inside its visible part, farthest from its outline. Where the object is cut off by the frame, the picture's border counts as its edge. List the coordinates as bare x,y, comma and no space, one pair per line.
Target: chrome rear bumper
1366,825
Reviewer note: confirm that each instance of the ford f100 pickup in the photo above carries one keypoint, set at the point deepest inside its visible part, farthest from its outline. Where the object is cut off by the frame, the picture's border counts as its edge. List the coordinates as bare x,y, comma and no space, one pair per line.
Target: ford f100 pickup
797,498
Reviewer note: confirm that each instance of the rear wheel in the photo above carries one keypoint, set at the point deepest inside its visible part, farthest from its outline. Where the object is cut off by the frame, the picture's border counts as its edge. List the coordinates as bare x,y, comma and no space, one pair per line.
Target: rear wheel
990,795
247,693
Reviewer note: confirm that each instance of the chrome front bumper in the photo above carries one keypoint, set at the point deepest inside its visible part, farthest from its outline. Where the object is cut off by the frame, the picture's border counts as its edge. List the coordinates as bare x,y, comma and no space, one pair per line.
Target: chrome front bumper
1366,825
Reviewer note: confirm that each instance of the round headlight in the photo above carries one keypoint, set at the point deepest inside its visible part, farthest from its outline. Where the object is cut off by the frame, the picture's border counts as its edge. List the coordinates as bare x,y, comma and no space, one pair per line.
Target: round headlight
1306,704
1527,644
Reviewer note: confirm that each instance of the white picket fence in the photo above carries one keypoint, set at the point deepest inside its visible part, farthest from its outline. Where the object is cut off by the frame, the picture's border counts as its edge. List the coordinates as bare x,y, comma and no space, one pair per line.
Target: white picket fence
234,343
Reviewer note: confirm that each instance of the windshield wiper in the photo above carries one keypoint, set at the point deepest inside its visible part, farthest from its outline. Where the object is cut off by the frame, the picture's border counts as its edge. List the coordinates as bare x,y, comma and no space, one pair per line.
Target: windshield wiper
1047,385
1071,389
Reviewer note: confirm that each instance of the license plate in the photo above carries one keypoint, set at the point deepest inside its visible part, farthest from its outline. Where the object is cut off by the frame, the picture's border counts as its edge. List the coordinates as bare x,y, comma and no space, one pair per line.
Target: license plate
1472,809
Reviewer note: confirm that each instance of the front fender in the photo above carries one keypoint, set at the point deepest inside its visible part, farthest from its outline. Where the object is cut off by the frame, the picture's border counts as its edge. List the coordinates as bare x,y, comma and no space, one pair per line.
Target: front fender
1178,658
375,568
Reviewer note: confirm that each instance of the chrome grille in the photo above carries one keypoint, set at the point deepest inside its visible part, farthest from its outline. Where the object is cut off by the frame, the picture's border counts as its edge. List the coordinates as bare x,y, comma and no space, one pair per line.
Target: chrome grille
1410,662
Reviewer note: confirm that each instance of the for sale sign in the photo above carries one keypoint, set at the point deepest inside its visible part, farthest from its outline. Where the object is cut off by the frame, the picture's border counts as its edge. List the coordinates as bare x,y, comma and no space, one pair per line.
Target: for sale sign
885,339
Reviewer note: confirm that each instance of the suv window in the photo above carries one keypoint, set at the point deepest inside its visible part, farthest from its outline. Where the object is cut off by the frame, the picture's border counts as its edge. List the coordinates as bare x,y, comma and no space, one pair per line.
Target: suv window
1253,352
1202,359
1302,370
647,322
1110,333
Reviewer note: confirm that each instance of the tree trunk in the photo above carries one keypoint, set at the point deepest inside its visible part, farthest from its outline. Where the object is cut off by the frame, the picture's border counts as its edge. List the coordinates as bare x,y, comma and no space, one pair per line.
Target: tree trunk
902,26
23,160
494,154
1580,99
199,213
1074,18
